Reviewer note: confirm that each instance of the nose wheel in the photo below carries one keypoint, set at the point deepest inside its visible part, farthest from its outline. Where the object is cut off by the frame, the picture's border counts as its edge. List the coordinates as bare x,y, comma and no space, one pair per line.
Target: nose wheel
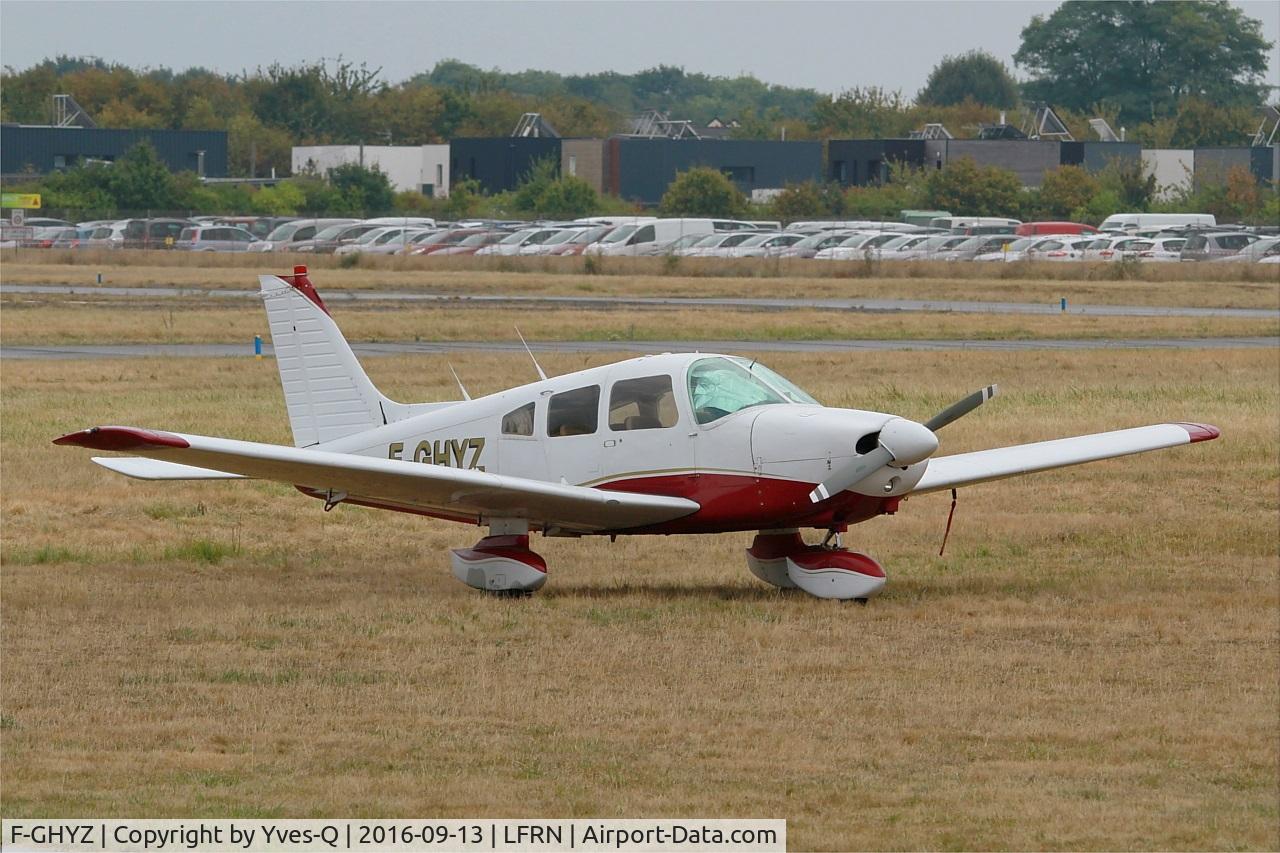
782,559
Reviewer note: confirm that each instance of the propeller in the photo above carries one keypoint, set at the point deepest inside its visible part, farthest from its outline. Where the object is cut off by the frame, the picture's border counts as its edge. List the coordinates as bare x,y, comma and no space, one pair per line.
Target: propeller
902,441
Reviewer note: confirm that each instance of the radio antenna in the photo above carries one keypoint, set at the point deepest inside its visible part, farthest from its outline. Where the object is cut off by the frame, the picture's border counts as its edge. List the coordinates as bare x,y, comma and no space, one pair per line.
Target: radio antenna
536,366
461,387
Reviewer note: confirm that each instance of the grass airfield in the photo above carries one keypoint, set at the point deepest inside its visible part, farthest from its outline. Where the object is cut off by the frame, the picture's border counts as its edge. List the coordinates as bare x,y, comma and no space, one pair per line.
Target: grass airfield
1092,665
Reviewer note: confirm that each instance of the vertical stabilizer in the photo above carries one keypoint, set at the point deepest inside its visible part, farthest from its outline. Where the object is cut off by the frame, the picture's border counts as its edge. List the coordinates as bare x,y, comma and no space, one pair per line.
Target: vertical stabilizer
327,392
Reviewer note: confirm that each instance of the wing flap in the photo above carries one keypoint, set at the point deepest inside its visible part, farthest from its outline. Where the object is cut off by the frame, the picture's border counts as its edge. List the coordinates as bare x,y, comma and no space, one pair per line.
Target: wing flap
436,488
966,469
141,468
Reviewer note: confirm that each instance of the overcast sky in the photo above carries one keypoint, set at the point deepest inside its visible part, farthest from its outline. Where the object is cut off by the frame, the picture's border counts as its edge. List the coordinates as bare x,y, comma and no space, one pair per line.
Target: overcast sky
829,46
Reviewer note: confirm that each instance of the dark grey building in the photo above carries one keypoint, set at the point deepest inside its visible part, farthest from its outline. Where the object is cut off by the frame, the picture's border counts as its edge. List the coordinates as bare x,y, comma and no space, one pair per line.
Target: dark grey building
41,149
641,169
499,163
1214,163
860,162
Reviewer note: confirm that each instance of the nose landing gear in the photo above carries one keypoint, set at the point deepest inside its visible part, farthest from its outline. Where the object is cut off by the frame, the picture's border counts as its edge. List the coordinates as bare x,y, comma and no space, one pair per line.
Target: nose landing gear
781,558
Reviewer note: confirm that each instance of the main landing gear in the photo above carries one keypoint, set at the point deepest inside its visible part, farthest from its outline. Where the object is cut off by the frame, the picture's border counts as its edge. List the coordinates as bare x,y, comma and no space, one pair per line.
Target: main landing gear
501,563
781,558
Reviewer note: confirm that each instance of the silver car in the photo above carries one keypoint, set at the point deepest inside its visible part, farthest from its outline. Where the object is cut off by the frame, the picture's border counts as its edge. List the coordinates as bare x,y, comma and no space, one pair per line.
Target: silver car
213,238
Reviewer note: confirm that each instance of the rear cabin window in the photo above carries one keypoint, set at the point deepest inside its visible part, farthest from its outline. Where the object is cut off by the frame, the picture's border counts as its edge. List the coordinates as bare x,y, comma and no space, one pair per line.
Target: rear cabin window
646,403
574,412
519,421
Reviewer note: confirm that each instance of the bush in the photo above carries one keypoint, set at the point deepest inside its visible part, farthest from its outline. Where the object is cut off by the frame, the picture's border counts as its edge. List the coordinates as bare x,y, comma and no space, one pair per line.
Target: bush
702,191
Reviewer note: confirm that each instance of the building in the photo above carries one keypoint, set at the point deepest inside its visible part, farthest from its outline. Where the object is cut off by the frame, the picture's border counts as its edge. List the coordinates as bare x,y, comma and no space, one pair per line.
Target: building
641,169
26,149
417,168
860,162
500,163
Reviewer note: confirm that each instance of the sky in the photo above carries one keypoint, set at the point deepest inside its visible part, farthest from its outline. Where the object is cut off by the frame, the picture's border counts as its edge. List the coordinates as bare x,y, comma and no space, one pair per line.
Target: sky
828,46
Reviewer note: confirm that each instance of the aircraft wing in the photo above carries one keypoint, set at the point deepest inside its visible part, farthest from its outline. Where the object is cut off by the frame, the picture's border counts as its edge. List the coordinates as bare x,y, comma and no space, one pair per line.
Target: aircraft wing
390,483
965,469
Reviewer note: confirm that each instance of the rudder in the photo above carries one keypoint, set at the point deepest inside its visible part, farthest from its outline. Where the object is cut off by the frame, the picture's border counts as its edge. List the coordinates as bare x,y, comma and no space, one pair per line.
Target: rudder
326,391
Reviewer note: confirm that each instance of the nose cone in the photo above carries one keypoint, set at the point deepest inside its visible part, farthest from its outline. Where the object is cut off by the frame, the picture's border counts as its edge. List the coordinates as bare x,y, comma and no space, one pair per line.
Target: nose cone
908,441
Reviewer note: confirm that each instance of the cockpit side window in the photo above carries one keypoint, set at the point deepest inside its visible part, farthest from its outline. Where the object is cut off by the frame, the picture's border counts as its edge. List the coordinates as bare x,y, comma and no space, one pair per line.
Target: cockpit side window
518,421
645,403
718,387
574,412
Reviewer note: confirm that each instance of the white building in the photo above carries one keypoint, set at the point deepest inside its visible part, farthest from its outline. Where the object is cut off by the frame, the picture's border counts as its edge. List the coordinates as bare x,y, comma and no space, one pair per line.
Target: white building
424,168
1174,169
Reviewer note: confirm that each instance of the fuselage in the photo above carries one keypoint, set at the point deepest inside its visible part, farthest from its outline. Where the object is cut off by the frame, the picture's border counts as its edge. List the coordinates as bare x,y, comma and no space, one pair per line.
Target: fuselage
744,443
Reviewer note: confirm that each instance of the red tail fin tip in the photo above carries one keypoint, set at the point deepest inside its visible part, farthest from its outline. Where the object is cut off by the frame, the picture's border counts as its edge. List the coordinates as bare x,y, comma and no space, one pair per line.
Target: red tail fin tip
303,284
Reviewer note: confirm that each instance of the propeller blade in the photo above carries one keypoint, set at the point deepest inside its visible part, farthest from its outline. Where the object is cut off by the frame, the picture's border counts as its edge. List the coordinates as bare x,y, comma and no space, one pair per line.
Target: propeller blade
961,408
850,475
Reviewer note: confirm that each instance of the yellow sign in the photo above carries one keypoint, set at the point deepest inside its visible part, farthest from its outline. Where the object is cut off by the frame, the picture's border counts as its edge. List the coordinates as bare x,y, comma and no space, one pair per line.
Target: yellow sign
29,201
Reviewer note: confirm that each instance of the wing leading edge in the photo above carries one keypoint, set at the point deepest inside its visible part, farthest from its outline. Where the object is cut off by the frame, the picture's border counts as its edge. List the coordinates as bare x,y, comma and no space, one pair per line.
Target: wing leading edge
413,485
965,469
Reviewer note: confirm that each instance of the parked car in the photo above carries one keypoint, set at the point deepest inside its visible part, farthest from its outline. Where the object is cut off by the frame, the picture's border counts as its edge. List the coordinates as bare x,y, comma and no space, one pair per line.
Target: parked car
1053,248
711,244
980,244
258,226
512,243
814,243
857,247
1205,247
1031,229
370,240
897,248
289,235
327,240
472,244
1157,250
62,238
1128,222
1110,247
578,243
160,233
214,238
441,240
1255,251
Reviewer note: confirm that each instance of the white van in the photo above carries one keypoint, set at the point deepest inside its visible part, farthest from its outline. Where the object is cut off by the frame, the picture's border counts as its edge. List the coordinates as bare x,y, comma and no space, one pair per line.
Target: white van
650,238
959,224
1130,222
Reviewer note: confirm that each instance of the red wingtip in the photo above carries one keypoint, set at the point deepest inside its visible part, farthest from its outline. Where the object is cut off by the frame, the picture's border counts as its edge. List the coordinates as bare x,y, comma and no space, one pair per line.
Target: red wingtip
120,438
1201,432
304,286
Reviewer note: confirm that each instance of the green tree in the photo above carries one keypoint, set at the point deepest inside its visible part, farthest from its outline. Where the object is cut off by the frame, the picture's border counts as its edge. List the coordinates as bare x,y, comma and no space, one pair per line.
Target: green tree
463,201
139,181
807,201
1066,190
365,189
1144,56
976,76
967,189
284,199
702,191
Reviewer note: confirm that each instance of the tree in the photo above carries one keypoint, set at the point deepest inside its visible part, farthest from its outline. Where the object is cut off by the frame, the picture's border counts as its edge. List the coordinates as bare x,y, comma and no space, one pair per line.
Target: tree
1144,56
364,189
702,191
545,192
807,201
965,188
1066,190
139,181
976,75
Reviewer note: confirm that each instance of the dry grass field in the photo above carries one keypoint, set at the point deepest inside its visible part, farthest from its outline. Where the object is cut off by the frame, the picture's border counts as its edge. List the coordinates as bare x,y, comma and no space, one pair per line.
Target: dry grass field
1093,664
1197,285
61,319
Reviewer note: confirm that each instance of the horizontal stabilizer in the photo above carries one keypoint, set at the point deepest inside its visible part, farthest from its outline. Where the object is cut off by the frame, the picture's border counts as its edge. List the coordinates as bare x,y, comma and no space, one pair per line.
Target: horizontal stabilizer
965,469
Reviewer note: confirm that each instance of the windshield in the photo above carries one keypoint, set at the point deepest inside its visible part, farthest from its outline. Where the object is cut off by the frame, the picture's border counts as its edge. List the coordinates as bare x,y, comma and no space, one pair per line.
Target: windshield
590,236
559,237
620,233
718,387
789,389
370,236
1023,244
516,238
477,239
756,240
284,232
331,232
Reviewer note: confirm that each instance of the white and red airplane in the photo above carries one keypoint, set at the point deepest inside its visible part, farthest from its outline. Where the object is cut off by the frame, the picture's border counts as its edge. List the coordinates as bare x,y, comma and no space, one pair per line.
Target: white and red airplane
662,444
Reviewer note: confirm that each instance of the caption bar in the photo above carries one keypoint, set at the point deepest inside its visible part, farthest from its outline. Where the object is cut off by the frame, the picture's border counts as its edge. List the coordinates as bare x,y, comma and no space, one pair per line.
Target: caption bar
306,836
